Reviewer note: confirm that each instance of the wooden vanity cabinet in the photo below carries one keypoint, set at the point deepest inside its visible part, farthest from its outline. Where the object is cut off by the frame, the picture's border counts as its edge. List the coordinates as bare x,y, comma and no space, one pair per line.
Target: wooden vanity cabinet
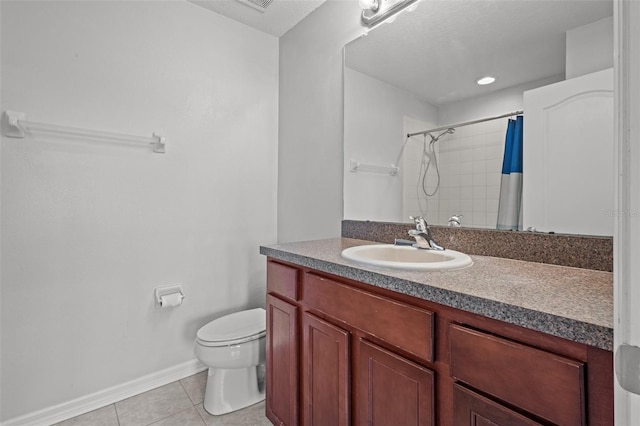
341,352
352,367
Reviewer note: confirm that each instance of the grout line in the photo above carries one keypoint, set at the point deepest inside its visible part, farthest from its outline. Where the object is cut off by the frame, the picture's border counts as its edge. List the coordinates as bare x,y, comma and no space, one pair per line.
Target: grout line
185,391
176,413
200,414
151,390
117,414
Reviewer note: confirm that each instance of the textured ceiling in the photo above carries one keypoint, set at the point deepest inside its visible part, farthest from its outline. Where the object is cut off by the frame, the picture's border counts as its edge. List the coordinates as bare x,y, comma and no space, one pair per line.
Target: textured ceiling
278,18
441,48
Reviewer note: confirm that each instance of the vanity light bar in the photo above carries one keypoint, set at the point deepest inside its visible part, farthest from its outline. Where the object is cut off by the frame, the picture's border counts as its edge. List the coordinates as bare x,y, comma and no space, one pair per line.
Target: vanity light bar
385,8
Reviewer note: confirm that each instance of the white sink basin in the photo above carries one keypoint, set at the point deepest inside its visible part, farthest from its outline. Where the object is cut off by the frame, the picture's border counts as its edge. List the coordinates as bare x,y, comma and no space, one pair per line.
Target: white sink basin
406,257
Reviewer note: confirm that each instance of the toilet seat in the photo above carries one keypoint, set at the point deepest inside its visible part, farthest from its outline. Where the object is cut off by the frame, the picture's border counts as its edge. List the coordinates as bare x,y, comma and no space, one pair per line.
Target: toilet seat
233,329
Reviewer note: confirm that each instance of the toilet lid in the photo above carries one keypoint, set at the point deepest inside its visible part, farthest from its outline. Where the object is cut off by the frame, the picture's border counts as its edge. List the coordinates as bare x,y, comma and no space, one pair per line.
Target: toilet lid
238,325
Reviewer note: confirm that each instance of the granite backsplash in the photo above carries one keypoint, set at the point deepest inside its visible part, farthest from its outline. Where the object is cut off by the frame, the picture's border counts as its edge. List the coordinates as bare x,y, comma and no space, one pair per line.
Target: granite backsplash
587,252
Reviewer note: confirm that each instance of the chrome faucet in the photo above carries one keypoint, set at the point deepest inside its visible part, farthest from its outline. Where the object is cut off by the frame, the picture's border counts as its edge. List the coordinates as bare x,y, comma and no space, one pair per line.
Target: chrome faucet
422,234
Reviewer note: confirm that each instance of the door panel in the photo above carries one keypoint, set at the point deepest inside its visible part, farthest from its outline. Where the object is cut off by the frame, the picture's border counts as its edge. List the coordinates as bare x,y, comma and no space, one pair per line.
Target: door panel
282,362
392,390
326,373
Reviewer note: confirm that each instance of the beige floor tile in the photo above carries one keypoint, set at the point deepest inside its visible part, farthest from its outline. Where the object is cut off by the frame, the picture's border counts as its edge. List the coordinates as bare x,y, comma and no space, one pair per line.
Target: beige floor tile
105,416
188,417
264,422
157,404
249,416
195,386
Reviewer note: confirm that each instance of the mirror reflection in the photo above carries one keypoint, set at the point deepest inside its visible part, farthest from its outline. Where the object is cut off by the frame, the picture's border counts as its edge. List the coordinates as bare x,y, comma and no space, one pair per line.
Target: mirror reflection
419,76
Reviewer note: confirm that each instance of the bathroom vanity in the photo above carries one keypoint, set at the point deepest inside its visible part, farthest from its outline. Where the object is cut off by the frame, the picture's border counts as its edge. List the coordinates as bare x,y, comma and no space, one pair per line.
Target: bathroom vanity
502,342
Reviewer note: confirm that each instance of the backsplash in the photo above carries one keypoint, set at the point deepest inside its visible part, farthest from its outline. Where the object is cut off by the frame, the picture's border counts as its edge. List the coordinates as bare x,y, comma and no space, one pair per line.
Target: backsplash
587,252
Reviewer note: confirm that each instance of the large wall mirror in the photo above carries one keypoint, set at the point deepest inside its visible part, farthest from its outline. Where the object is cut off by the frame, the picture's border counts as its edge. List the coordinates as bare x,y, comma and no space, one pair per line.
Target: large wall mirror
420,72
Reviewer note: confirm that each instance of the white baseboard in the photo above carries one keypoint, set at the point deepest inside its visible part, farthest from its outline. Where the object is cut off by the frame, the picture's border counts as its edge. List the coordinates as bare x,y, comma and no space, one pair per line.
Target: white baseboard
67,410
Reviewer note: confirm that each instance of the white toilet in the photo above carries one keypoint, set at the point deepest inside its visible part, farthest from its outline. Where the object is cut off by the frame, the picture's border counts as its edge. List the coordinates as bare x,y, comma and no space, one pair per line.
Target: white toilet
233,347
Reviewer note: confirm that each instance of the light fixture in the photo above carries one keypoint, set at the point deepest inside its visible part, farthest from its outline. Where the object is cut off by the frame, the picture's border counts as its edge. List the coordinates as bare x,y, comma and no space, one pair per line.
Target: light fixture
369,5
375,11
259,5
486,80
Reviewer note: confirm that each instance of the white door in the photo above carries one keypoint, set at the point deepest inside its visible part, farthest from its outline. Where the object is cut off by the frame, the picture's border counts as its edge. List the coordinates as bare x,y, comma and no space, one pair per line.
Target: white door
627,225
568,177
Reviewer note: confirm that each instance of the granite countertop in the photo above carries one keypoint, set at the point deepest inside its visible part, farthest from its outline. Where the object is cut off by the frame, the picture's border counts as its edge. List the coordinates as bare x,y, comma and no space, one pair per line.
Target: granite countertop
572,303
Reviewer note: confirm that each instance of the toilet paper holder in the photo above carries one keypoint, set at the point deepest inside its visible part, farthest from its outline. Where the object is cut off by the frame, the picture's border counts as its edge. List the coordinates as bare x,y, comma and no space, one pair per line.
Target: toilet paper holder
162,294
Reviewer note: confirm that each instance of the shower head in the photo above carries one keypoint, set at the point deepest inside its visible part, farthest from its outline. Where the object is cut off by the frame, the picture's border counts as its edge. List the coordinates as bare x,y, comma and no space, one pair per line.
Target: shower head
449,130
435,138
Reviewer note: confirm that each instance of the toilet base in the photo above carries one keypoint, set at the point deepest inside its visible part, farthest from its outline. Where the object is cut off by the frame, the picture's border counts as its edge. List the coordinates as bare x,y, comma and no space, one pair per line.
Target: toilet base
232,389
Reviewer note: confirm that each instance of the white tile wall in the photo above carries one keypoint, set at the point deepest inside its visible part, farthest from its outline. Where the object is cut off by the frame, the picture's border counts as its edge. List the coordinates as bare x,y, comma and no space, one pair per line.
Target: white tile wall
470,163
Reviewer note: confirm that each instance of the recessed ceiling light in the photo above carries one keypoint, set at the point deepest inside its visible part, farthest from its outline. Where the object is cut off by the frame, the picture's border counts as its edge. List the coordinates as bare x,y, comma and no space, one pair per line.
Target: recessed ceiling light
486,80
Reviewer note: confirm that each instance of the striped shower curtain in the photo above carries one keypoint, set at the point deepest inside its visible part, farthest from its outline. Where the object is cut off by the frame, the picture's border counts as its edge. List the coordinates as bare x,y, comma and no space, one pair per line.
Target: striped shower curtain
510,204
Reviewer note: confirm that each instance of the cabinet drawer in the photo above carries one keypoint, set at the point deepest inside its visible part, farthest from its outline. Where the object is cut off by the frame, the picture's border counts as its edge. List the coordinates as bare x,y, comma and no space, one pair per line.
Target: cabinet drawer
283,280
373,314
542,383
470,408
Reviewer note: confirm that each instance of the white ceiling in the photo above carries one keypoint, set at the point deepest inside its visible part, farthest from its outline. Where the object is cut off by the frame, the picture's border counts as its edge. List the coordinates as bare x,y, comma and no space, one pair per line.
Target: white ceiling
278,18
441,48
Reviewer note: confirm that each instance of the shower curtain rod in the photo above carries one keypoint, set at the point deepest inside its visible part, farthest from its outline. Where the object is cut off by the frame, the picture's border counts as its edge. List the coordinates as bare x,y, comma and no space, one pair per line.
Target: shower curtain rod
467,123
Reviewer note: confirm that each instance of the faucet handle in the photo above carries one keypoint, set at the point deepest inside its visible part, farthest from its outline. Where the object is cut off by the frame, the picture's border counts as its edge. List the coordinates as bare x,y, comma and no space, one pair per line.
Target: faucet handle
455,220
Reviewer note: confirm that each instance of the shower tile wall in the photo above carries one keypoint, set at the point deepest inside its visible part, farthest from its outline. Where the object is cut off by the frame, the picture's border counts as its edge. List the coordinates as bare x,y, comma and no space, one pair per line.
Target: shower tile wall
414,200
470,163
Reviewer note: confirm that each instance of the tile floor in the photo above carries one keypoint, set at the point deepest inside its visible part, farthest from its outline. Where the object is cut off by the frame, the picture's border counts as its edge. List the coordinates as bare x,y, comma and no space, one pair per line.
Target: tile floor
176,404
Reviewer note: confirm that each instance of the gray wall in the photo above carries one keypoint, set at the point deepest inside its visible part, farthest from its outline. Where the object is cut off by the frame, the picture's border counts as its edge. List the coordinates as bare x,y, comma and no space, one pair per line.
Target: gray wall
311,122
90,229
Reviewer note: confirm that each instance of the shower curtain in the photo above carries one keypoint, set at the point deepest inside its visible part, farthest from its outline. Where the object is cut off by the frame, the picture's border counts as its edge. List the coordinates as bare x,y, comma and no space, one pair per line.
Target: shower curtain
510,204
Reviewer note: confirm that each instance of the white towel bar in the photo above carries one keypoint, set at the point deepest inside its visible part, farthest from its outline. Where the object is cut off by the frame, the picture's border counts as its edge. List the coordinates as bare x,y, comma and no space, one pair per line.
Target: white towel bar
357,166
16,123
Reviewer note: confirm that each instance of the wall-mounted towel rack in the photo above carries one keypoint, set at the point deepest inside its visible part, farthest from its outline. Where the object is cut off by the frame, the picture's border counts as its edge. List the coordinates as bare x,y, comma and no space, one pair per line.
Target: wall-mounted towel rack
357,166
16,123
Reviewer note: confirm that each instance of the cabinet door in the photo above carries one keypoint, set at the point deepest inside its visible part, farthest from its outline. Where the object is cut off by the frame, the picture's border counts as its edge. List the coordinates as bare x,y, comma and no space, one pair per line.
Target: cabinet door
325,374
392,390
282,362
472,409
